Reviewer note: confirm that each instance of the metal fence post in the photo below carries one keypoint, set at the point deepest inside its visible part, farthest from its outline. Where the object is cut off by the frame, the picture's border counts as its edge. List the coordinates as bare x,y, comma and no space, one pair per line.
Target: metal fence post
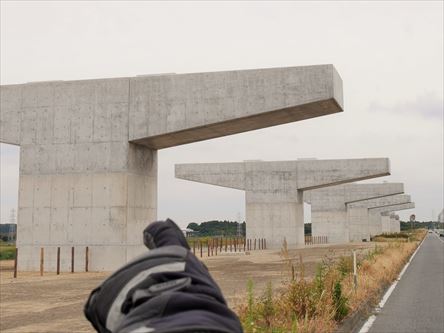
72,259
41,261
15,262
87,259
58,260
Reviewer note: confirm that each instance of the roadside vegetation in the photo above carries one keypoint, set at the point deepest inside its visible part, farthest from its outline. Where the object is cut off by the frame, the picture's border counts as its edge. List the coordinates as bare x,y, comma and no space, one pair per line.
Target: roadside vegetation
403,236
7,251
320,304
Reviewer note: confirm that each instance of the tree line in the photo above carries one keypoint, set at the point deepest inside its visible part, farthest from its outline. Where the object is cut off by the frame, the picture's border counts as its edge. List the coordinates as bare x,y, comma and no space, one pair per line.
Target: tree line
231,228
218,228
225,228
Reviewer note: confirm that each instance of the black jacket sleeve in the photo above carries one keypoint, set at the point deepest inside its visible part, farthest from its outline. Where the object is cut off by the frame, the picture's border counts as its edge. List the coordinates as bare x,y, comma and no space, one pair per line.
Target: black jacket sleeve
165,290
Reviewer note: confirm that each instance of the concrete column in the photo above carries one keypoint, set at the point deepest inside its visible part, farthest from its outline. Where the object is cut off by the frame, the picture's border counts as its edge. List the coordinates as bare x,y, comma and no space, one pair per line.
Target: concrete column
330,216
395,225
269,218
375,217
81,182
274,190
374,223
88,159
358,218
385,223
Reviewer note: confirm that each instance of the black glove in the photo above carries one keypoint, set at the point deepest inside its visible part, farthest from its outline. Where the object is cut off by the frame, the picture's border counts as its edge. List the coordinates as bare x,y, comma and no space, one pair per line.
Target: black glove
163,291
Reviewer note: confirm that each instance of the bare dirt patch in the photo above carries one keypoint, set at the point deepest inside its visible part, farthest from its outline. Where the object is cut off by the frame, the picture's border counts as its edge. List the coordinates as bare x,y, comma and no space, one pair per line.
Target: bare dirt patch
51,303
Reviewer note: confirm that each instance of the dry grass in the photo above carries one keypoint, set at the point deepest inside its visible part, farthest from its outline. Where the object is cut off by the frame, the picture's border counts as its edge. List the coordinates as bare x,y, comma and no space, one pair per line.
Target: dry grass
403,236
378,270
319,304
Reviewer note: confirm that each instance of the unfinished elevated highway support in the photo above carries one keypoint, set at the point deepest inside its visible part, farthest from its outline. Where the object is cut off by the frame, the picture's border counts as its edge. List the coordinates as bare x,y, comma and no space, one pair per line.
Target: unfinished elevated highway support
274,195
88,162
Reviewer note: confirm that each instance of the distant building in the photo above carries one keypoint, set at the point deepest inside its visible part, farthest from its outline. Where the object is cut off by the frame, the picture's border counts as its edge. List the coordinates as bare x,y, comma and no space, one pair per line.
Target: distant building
441,217
189,232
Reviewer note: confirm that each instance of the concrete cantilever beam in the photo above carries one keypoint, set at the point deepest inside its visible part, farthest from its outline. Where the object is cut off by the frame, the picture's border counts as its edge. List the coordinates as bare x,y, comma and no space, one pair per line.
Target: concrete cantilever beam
170,110
88,159
379,218
380,202
329,214
274,202
359,217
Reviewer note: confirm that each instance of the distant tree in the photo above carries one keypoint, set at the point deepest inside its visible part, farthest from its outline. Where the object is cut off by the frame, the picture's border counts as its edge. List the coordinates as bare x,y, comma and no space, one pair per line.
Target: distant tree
418,224
307,229
217,228
193,226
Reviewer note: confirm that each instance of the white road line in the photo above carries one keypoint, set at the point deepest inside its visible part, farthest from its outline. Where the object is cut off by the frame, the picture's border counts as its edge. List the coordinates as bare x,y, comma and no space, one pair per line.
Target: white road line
368,324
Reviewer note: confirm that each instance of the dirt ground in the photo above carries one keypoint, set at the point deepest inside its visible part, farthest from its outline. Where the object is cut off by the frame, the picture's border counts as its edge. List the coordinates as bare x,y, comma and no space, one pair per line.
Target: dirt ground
51,303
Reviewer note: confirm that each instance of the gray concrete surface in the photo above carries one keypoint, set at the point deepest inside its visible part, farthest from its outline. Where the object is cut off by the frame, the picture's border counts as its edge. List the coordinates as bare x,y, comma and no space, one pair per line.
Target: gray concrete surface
417,303
88,159
274,190
330,216
395,224
358,215
379,218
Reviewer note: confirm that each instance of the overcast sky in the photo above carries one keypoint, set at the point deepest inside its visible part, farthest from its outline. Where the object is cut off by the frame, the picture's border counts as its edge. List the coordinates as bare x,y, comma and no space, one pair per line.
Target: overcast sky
389,55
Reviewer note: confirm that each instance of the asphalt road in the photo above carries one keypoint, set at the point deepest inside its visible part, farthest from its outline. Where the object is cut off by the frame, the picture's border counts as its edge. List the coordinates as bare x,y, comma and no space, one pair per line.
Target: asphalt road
417,303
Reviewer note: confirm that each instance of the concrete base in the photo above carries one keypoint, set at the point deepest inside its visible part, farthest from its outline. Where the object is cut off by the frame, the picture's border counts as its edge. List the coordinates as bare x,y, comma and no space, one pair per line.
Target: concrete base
375,223
358,224
395,225
106,211
385,224
331,224
270,221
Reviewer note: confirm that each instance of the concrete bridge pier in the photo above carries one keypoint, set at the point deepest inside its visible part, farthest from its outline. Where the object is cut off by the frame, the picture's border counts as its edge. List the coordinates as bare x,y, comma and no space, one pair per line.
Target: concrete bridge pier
358,215
379,223
275,189
88,159
331,217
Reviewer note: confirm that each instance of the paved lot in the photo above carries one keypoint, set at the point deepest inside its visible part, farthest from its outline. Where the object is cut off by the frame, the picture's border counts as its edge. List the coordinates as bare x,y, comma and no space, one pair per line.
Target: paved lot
417,303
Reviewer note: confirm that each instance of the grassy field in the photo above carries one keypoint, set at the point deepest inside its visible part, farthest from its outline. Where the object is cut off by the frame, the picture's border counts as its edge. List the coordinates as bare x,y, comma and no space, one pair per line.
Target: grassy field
319,304
7,251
